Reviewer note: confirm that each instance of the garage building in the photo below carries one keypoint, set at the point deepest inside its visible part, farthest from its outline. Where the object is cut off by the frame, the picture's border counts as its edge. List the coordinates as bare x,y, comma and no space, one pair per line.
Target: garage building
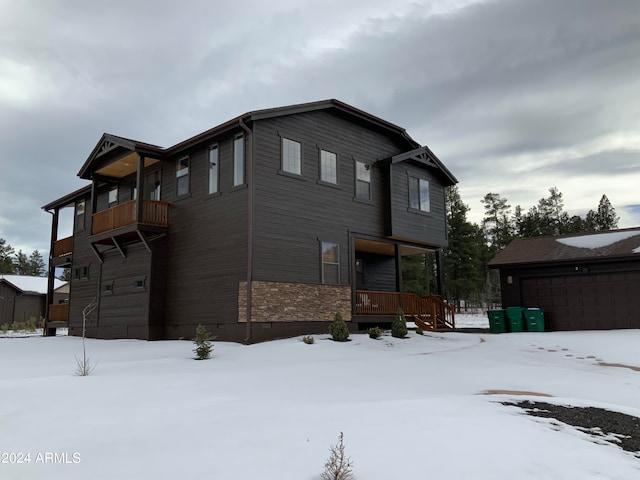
585,281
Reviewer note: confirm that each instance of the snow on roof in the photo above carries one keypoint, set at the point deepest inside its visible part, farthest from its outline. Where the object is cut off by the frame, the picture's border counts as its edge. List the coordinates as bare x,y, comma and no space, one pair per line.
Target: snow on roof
30,284
597,240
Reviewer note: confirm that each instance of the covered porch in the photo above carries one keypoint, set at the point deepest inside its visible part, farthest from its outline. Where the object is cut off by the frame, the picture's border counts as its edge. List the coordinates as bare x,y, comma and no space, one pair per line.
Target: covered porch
392,274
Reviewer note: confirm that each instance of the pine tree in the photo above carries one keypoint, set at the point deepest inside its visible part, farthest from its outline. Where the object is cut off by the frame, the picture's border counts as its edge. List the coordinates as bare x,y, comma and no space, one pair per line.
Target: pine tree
22,266
6,257
338,466
606,216
338,329
496,222
202,341
37,266
399,325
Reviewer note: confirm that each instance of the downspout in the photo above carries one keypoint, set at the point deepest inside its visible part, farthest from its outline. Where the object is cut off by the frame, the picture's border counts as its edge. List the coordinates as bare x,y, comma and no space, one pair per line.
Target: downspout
249,180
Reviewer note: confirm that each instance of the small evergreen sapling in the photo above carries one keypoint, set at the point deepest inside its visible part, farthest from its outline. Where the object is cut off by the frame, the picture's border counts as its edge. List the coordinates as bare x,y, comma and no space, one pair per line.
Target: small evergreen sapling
338,466
202,341
338,329
399,325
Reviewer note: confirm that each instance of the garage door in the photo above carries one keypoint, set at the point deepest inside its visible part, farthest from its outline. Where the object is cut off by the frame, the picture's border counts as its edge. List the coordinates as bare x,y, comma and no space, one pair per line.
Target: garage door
587,301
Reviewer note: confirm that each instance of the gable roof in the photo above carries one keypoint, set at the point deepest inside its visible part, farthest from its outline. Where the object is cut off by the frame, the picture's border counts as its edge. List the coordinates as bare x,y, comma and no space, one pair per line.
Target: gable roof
25,284
424,156
111,147
614,244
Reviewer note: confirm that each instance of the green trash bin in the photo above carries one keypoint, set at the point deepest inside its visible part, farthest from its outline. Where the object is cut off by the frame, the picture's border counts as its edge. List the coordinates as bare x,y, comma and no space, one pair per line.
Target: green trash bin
535,319
497,321
516,319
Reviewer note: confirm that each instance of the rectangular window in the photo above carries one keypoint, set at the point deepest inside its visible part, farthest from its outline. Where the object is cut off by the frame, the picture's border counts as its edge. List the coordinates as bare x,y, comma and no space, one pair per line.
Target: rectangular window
328,167
330,263
152,186
214,165
81,273
182,176
107,287
238,161
419,194
363,181
134,190
291,156
113,195
80,208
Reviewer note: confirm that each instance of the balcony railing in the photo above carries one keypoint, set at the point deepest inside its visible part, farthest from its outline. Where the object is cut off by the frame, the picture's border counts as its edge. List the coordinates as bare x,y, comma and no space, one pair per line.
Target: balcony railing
63,247
153,213
59,312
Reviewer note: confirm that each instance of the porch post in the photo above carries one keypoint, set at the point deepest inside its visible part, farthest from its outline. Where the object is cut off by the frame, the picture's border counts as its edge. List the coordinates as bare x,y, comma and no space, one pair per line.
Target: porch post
140,189
398,260
52,273
439,273
94,202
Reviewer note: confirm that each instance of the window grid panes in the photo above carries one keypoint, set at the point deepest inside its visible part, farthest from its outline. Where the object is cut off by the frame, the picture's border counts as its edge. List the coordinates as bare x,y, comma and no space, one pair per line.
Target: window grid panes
328,167
363,181
330,263
291,156
419,194
182,177
238,161
213,170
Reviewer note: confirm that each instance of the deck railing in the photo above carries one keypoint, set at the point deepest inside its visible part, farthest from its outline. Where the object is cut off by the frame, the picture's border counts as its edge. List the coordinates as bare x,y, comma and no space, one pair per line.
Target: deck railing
430,309
153,213
59,312
62,247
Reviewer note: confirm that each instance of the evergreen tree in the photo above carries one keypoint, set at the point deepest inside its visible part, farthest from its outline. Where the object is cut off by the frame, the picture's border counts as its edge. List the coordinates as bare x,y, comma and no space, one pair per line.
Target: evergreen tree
339,329
6,257
21,262
36,264
496,223
463,259
399,325
202,342
65,276
552,218
605,217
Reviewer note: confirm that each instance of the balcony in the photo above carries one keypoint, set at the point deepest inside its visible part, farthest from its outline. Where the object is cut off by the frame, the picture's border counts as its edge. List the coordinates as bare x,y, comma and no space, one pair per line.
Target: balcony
62,250
154,213
58,312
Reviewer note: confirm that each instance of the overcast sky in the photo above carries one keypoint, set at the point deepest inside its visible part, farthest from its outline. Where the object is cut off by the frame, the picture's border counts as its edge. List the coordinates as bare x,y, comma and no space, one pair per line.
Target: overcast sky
513,96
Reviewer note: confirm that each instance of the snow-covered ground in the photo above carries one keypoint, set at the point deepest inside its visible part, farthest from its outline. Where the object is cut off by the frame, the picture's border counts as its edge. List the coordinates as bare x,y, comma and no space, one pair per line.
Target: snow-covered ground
409,409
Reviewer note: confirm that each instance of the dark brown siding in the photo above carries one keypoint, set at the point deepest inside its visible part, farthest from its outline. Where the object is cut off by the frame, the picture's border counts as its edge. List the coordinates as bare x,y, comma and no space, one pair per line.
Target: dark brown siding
293,214
421,227
7,299
207,245
591,296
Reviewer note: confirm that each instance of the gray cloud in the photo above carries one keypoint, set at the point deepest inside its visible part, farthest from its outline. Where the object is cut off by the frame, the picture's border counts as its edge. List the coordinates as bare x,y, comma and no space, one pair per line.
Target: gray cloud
498,89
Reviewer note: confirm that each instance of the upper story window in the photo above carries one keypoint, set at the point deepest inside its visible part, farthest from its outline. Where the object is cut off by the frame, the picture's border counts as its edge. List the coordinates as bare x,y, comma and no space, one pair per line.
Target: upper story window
80,209
182,176
363,181
328,167
291,156
419,194
330,263
214,169
238,161
152,186
113,195
134,190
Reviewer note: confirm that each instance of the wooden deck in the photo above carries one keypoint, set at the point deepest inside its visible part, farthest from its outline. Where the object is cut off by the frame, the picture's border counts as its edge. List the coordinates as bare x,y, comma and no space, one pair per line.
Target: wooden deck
153,213
428,313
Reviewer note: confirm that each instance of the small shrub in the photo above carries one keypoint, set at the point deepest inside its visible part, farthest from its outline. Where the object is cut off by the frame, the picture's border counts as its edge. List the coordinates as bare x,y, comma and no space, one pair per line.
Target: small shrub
399,325
308,339
202,341
419,331
375,332
31,324
4,327
338,466
17,326
338,329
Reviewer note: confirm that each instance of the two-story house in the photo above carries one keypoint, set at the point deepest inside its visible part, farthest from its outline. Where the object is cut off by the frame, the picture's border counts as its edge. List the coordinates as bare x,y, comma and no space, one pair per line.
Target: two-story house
262,227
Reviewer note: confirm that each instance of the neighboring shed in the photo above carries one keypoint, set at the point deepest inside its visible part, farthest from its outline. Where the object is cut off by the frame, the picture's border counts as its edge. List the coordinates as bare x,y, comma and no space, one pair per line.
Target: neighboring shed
586,281
23,297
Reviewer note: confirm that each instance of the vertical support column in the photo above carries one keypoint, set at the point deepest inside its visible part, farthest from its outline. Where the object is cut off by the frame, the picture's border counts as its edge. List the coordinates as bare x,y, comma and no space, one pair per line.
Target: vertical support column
439,273
94,203
140,188
399,287
52,273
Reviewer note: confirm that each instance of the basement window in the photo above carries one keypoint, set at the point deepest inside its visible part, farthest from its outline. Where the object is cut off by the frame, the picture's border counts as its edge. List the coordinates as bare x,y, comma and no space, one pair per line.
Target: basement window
107,287
139,284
